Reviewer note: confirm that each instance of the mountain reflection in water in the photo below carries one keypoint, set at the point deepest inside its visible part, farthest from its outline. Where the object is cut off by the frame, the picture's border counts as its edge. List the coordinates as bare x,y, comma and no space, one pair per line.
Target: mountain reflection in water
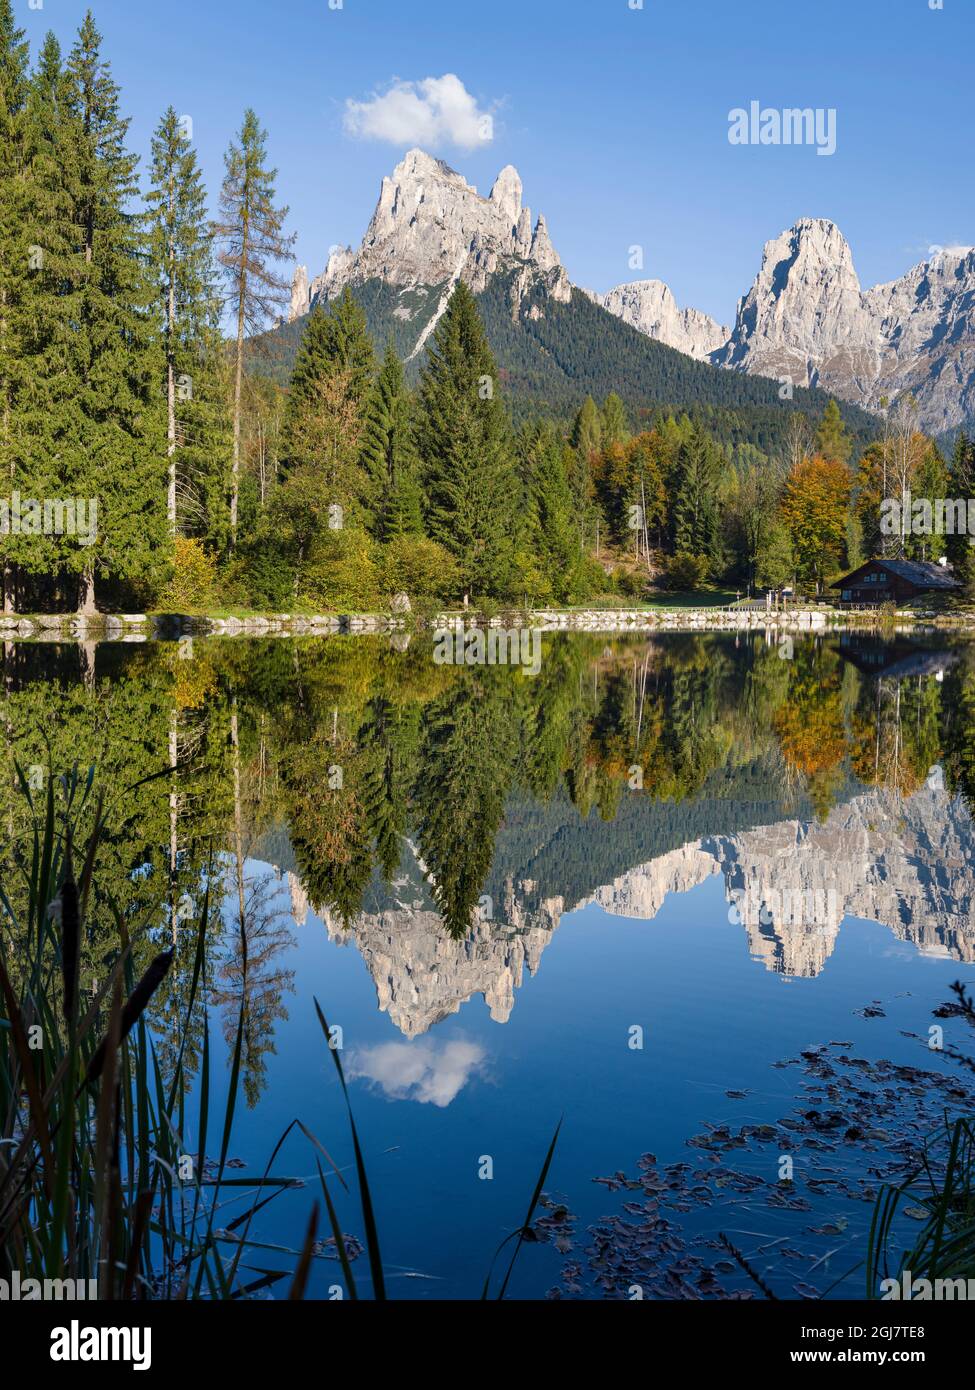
659,818
444,819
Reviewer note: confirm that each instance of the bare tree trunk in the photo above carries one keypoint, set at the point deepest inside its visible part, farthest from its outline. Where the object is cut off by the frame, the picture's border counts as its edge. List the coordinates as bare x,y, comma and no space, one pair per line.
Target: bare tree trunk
239,379
171,382
86,595
238,834
173,820
86,651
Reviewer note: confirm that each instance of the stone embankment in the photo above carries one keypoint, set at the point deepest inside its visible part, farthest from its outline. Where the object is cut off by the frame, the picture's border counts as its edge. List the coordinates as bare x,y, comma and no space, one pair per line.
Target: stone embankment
141,627
679,620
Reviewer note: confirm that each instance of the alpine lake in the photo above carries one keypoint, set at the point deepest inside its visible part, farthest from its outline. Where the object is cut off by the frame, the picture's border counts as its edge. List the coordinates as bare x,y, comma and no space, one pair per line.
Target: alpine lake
700,898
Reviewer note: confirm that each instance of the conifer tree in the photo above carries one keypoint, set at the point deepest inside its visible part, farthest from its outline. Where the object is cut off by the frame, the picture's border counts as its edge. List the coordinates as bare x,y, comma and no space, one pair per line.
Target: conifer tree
833,442
961,483
110,428
615,426
351,348
181,252
554,536
465,443
45,328
15,259
252,232
335,341
389,456
324,419
695,512
312,363
587,429
585,440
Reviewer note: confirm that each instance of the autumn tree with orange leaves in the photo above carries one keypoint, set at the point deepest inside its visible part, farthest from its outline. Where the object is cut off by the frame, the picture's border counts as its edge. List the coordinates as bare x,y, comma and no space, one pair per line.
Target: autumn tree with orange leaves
814,509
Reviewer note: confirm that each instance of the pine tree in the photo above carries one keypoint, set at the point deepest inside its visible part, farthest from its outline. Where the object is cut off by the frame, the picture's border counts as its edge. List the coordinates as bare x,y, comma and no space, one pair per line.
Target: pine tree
833,442
465,443
351,346
961,483
585,439
111,424
553,536
930,482
313,362
389,457
15,259
325,415
615,426
253,236
695,512
45,336
188,305
587,429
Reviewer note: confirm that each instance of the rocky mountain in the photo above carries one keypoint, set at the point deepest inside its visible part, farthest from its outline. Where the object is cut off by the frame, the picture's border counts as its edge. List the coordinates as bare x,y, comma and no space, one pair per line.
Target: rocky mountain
649,306
554,343
432,228
907,864
807,319
422,975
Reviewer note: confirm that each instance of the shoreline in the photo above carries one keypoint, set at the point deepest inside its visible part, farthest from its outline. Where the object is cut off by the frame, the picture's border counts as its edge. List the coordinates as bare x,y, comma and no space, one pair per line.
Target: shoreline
142,627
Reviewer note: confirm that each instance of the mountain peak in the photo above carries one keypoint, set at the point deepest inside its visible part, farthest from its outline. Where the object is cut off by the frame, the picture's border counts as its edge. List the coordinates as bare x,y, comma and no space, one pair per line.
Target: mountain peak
649,306
431,228
507,192
417,164
806,305
813,238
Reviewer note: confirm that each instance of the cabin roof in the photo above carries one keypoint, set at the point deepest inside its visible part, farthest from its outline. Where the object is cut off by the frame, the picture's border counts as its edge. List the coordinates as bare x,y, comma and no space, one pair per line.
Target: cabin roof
925,574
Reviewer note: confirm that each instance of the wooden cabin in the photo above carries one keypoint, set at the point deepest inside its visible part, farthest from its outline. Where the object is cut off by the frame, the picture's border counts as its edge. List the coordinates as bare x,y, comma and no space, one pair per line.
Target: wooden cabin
893,581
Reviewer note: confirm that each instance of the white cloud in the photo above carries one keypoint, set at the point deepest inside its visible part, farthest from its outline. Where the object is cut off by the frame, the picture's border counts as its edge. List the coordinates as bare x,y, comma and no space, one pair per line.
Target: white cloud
426,1071
436,111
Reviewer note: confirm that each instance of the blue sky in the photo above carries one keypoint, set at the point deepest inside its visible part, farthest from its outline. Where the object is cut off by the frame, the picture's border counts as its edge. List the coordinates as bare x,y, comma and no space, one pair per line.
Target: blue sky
616,118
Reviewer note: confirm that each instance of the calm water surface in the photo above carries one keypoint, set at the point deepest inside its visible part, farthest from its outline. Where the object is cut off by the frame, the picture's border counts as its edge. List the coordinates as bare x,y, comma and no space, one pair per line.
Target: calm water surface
621,892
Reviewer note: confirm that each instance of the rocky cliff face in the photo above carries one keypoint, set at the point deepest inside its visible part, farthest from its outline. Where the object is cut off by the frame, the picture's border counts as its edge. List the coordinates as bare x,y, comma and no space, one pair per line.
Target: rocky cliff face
649,306
432,228
805,314
927,322
807,318
909,865
791,884
422,975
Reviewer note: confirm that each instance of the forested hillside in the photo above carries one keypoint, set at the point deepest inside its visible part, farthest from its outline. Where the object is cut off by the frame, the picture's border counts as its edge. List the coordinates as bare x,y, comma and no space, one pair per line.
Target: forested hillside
549,363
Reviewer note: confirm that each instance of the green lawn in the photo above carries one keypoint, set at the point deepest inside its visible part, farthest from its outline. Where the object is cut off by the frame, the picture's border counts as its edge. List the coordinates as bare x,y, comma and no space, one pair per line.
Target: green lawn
706,598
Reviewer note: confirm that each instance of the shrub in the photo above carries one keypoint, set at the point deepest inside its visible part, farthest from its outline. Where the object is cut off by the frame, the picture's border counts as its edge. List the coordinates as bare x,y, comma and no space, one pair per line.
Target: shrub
686,571
418,567
632,583
341,572
193,580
